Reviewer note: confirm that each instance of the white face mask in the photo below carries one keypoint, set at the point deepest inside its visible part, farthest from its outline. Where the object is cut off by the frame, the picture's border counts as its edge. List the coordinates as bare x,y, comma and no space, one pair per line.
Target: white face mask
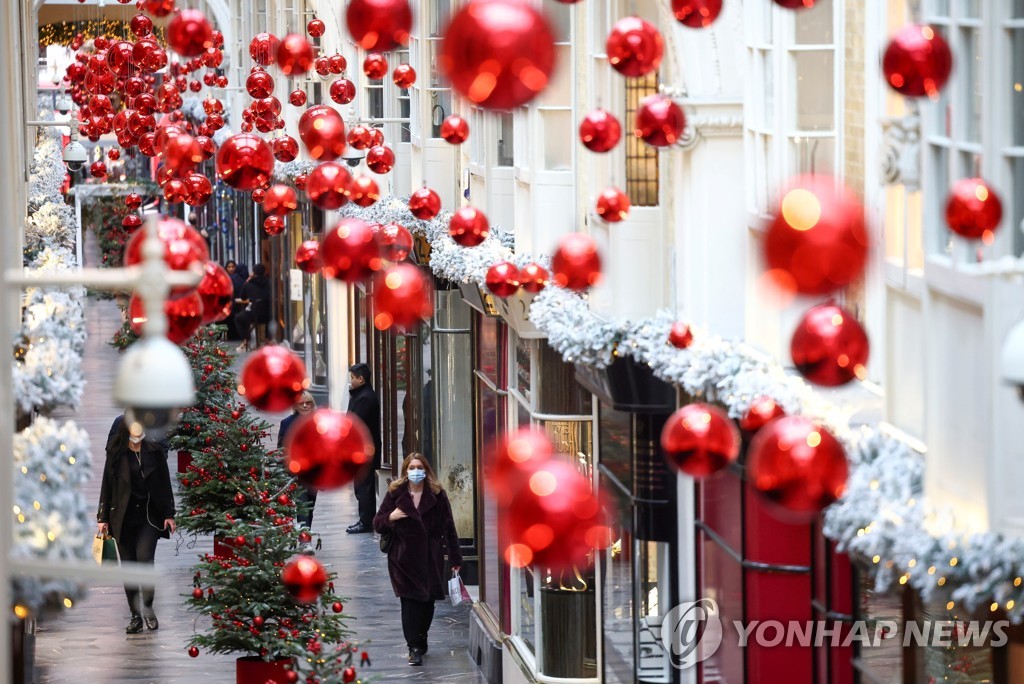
417,476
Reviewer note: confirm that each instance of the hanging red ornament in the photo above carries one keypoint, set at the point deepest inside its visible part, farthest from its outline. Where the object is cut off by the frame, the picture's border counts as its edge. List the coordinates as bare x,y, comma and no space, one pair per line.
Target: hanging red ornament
258,195
272,379
263,48
829,346
404,76
795,4
798,465
395,241
379,25
349,251
600,131
680,336
193,652
917,61
634,47
131,222
380,159
274,225
502,279
533,277
762,411
304,577
375,66
280,200
184,248
696,13
181,153
337,63
973,209
343,91
294,55
159,8
245,161
199,190
498,54
359,137
327,184
286,149
207,148
612,205
424,204
376,137
98,170
322,131
175,191
515,457
328,449
700,440
133,200
455,129
189,33
576,264
297,98
402,296
216,292
300,182
659,121
141,26
316,28
469,227
184,316
119,58
363,191
818,241
307,257
259,84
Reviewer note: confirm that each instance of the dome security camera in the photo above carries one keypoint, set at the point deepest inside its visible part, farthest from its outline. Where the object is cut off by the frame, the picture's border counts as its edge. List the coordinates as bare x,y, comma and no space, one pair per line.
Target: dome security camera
153,382
75,155
352,156
1012,362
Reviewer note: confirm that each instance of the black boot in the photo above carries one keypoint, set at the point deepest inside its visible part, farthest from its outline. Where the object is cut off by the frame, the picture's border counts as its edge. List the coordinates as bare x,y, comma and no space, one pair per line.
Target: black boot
415,656
134,625
150,617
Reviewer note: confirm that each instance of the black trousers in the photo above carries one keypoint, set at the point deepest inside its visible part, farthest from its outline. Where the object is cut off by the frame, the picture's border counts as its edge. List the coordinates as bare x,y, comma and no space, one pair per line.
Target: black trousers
366,495
306,496
138,544
244,321
416,619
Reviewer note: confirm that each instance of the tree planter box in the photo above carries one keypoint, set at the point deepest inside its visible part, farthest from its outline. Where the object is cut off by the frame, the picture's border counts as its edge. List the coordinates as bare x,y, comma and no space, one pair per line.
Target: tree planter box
478,299
516,312
255,670
184,461
628,385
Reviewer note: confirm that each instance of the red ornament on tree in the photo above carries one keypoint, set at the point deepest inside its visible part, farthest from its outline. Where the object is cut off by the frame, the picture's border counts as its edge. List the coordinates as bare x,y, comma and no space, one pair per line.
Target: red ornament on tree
245,161
272,379
680,336
280,200
404,76
307,257
798,465
696,13
343,91
533,277
350,251
600,131
216,292
184,316
189,33
337,607
263,48
424,204
660,122
304,577
328,449
917,61
322,130
762,411
700,440
294,55
498,53
468,227
193,652
818,241
455,129
829,347
502,279
395,242
403,296
576,264
348,675
380,159
274,225
634,47
363,191
327,184
239,501
973,209
286,149
379,25
612,205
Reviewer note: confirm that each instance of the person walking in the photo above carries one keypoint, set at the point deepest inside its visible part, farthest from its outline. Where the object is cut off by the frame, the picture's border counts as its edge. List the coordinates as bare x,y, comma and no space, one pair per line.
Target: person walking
136,507
255,295
416,510
307,495
364,404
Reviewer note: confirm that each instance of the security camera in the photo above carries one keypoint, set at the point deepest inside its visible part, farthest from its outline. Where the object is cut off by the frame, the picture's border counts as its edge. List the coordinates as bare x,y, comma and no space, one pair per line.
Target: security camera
352,156
75,155
1013,359
153,382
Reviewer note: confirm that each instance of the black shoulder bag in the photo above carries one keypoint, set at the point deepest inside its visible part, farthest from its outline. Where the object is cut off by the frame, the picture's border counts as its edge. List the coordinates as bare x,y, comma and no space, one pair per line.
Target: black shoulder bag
387,538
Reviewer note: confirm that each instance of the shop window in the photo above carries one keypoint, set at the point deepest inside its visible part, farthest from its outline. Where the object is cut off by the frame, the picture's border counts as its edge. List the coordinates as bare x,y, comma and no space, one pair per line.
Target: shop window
642,182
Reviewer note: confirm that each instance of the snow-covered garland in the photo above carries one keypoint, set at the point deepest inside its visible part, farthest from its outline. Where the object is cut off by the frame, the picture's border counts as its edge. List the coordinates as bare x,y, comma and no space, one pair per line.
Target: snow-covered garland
883,519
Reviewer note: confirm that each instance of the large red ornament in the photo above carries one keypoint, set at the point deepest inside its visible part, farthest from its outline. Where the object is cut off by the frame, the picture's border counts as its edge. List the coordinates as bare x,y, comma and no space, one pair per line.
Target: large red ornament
263,48
798,465
375,66
184,316
612,205
818,241
762,411
307,257
424,204
700,439
359,137
395,241
259,84
245,161
280,200
189,33
350,251
515,457
634,47
328,449
184,248
175,191
343,91
120,58
322,130
403,296
917,61
680,336
498,53
159,8
600,131
973,209
659,121
216,292
502,279
576,264
305,578
379,25
469,227
141,26
455,129
363,191
829,347
380,159
207,148
294,55
199,190
696,13
286,149
327,185
533,277
316,28
181,154
404,76
272,379
131,222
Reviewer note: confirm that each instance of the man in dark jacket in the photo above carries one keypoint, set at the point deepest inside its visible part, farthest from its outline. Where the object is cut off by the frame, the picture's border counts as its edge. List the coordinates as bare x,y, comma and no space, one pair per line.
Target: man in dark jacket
363,402
307,495
256,296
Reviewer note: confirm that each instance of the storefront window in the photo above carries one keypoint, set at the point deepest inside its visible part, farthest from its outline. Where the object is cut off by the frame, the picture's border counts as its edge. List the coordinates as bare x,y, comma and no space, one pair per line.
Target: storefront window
490,411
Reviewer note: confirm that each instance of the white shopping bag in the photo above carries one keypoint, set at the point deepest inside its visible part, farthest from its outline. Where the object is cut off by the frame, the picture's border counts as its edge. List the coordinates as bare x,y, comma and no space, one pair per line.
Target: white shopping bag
457,592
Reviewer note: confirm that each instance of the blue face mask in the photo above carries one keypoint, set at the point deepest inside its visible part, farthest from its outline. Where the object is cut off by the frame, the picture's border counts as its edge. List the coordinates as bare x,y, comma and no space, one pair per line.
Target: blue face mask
417,476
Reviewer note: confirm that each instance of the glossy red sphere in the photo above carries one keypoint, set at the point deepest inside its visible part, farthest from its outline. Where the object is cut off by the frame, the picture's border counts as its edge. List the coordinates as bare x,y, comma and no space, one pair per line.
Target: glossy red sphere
380,159
328,449
660,122
120,59
403,295
304,577
316,28
263,48
184,248
404,76
281,200
258,195
513,458
307,257
680,336
294,55
424,204
455,129
272,379
322,131
181,153
200,189
395,241
502,279
189,33
762,411
469,227
131,222
133,200
343,91
379,25
141,26
600,131
699,440
363,191
98,170
612,205
184,316
359,137
274,225
286,148
533,277
634,47
917,61
297,98
159,8
795,4
259,84
350,251
207,148
245,161
576,264
973,209
337,63
829,347
327,185
696,13
216,292
375,66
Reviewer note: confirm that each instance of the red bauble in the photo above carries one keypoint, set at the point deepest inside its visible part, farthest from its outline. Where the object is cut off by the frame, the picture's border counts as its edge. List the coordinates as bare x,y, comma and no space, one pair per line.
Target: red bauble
300,181
184,316
305,578
307,257
206,146
350,251
197,594
337,63
375,66
699,440
141,26
239,501
159,8
533,277
343,91
818,241
634,47
181,153
379,25
600,131
659,121
680,336
245,161
175,191
286,149
973,209
193,652
98,170
200,189
404,76
316,28
612,205
120,58
258,195
297,98
322,131
798,465
498,53
363,191
762,411
376,137
294,55
328,449
263,48
469,227
403,296
216,292
337,608
359,137
795,4
327,184
455,129
424,204
280,200
576,264
189,33
184,248
696,13
395,241
502,279
829,347
515,457
380,159
131,221
133,200
274,225
259,84
272,379
917,61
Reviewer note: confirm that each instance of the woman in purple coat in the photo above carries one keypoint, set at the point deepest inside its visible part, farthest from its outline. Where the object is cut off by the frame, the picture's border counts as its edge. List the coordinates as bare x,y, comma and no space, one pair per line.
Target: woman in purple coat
416,509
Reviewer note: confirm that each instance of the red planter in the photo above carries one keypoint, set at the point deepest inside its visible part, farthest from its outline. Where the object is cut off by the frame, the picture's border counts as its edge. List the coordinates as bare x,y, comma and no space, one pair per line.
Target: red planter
255,670
223,547
184,461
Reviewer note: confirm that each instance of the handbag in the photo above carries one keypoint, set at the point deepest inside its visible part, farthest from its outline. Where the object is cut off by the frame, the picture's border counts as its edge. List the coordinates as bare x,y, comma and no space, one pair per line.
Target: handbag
387,539
457,592
104,549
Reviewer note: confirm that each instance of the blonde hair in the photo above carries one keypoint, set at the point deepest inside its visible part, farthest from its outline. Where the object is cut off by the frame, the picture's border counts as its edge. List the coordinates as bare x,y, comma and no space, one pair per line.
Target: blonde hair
403,474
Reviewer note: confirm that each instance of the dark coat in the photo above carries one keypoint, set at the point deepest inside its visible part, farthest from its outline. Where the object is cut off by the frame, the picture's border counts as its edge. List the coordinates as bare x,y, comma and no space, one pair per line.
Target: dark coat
363,402
286,425
416,558
116,489
257,291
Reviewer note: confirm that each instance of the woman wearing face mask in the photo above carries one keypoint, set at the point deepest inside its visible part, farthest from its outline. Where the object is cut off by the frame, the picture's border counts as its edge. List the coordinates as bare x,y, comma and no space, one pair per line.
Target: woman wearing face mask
416,509
136,507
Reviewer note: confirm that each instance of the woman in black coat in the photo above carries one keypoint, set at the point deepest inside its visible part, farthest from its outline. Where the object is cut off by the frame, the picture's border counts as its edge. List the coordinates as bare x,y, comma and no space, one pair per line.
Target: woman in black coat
417,511
255,294
136,507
